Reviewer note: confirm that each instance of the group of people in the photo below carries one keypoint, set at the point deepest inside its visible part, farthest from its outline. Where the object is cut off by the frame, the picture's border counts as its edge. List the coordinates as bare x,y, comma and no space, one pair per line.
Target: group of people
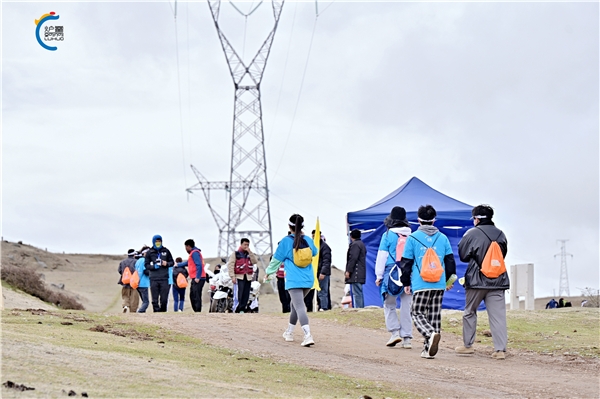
157,271
355,275
553,304
415,266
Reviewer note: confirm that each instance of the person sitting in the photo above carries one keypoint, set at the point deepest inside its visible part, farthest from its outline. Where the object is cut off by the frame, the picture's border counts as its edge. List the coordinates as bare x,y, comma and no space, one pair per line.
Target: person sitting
552,304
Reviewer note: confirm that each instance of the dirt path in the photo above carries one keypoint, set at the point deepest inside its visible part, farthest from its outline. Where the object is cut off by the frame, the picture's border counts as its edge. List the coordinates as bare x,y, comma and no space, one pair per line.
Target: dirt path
360,353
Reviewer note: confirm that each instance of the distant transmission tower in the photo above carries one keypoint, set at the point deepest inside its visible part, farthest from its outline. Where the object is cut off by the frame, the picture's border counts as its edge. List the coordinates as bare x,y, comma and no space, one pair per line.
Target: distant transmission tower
249,213
564,275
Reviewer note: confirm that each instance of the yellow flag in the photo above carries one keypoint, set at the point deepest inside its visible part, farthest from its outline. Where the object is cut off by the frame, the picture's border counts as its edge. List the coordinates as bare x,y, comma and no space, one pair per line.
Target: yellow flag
315,261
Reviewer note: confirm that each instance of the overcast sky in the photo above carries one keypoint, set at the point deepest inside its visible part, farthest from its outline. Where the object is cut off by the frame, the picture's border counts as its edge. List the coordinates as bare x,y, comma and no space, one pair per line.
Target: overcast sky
488,103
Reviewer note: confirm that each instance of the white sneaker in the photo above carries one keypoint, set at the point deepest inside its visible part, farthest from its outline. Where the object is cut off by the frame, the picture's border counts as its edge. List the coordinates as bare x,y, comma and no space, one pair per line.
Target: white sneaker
179,310
434,340
394,339
288,336
308,340
426,355
406,343
125,309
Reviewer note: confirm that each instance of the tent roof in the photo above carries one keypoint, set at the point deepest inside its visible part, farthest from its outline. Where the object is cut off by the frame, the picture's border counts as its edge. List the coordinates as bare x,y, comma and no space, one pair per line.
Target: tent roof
410,196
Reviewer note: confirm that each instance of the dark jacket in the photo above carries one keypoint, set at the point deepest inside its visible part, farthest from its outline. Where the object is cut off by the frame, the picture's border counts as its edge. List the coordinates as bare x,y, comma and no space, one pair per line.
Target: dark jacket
472,249
177,270
158,272
127,262
324,267
356,264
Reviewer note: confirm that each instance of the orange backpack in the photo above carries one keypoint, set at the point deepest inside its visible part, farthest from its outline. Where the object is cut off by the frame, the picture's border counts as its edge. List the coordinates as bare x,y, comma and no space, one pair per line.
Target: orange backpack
181,281
134,281
431,266
493,263
126,277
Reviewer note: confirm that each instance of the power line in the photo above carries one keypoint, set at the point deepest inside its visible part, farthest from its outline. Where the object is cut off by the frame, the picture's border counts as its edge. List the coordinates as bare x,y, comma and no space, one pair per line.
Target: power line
283,76
297,99
187,18
179,91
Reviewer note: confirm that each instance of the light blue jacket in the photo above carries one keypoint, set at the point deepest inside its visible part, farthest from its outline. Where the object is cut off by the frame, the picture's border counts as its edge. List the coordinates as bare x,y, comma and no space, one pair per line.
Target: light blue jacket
170,276
295,277
140,267
414,249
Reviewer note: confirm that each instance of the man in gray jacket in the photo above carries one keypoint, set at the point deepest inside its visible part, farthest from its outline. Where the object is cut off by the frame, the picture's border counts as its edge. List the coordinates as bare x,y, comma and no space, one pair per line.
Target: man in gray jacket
472,248
356,271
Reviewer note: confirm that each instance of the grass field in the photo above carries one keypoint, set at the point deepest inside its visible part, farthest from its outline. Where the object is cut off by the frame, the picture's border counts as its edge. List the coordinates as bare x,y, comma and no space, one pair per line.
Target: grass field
106,356
575,331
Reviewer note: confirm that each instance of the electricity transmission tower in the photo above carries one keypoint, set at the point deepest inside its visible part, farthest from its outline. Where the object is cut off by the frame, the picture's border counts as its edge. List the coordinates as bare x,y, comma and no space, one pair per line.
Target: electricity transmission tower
249,213
564,275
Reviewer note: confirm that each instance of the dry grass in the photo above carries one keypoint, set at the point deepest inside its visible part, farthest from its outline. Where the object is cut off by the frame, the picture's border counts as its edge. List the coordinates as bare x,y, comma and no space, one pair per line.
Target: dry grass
109,357
27,280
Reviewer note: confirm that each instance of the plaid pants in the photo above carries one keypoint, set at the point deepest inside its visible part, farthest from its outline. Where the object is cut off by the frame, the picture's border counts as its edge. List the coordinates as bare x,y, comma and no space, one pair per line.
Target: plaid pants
426,312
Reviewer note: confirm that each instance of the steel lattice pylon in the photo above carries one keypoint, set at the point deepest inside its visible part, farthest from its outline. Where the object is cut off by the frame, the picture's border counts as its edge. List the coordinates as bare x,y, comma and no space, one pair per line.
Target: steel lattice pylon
564,275
249,212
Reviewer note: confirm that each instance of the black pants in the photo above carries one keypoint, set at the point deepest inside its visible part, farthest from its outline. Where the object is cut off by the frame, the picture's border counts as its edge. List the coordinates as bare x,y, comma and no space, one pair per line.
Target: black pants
308,300
243,287
284,295
160,294
196,294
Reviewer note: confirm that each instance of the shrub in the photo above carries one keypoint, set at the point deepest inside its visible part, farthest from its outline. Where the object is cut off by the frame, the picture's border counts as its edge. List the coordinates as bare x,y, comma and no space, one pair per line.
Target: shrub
29,281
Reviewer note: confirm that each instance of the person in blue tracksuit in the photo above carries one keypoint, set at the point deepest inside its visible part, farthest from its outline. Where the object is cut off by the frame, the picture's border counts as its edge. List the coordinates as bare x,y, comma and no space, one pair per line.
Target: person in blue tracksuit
140,267
426,310
299,280
401,329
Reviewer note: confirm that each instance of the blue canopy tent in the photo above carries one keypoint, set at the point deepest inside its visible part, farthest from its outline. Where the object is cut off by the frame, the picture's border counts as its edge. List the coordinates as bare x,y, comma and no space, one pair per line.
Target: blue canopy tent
453,219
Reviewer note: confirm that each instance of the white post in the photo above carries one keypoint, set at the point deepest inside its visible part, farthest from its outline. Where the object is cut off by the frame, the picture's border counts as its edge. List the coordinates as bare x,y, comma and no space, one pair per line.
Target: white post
521,284
514,298
529,297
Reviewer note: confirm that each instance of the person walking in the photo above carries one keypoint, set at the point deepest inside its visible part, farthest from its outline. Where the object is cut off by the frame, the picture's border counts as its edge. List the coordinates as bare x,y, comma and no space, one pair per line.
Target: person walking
158,261
398,229
178,292
196,273
356,271
324,273
240,268
472,249
129,295
296,252
427,264
144,284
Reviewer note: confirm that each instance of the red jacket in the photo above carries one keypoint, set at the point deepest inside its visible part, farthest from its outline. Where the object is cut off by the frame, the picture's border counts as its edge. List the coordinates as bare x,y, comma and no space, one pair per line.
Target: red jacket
243,264
193,267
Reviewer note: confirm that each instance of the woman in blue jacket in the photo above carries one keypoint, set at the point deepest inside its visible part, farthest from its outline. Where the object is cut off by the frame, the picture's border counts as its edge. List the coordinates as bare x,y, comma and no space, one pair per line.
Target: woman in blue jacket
299,277
398,229
140,267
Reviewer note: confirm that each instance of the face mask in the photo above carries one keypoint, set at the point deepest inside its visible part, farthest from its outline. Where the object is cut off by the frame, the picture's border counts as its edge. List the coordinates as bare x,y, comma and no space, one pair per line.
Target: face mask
158,244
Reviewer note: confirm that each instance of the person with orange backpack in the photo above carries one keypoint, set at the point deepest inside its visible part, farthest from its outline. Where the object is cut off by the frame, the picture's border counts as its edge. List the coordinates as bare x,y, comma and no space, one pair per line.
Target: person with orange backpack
387,273
484,248
427,264
129,295
179,277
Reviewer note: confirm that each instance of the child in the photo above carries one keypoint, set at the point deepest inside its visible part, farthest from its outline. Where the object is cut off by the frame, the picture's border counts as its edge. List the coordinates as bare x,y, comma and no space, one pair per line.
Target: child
178,293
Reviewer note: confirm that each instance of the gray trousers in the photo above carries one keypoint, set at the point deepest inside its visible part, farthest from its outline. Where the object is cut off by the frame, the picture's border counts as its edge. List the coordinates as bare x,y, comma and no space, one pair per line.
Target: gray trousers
496,309
404,325
298,308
